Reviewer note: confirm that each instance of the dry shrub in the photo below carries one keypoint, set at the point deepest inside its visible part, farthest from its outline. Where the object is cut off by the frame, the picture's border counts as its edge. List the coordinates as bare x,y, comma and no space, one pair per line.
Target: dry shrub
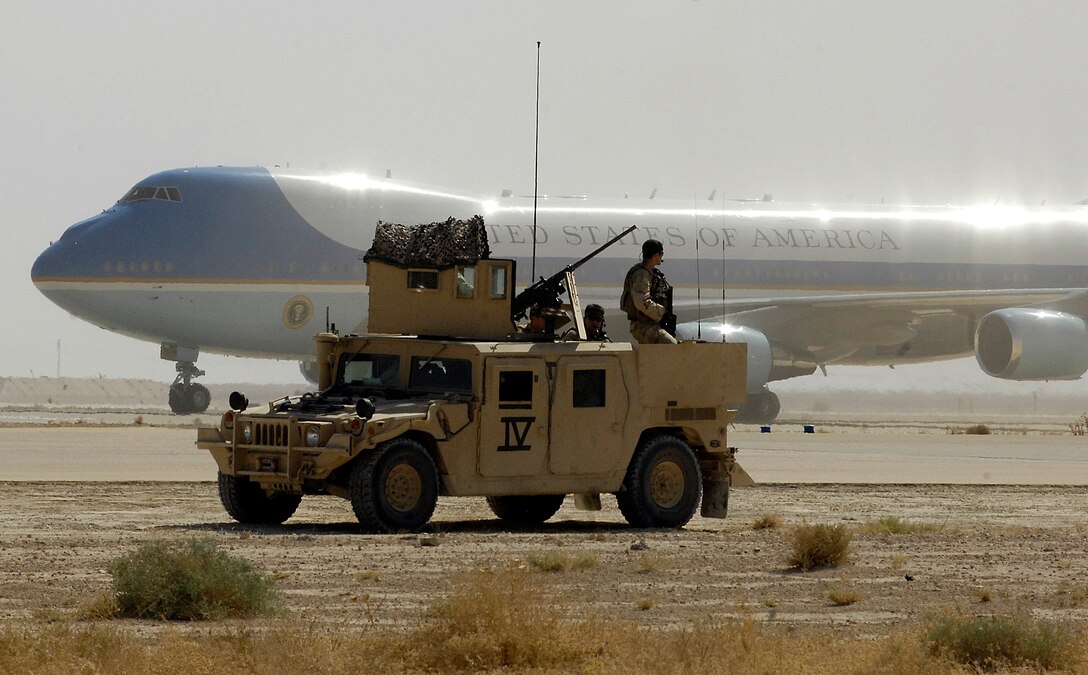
819,546
603,646
654,562
500,619
976,430
841,596
767,521
562,561
994,643
895,525
191,580
64,648
1079,426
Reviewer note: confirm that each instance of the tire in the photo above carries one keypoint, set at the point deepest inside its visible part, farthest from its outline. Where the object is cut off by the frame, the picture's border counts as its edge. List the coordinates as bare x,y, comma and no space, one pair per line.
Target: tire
197,398
248,503
178,404
663,485
760,408
395,488
525,509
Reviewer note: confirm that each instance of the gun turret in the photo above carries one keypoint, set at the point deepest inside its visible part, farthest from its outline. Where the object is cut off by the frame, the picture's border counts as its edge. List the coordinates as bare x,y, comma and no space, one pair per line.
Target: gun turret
547,293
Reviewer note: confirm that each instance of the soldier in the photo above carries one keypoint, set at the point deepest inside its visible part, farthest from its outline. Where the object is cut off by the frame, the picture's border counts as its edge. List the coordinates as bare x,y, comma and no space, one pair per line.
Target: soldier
645,296
594,321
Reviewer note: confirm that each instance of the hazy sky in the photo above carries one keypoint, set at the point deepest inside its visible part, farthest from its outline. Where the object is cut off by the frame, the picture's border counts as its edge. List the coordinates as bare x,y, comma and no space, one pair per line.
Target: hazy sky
923,102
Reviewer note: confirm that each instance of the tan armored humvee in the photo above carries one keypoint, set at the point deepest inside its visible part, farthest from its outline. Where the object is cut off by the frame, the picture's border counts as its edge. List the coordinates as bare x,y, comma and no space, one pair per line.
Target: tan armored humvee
399,419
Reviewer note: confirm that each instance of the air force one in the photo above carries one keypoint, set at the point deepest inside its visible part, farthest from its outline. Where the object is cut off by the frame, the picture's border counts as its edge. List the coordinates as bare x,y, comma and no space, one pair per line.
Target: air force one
253,261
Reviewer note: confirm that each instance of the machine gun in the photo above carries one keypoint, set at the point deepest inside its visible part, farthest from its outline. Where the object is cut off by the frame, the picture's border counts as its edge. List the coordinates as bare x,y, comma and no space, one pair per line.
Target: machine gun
546,293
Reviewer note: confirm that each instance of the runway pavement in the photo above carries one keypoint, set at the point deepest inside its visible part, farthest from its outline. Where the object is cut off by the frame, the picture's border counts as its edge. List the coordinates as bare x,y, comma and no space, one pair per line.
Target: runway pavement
148,453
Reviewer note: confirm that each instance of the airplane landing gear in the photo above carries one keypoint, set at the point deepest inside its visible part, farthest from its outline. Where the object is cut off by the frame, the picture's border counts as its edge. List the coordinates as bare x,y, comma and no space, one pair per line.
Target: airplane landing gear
187,397
760,408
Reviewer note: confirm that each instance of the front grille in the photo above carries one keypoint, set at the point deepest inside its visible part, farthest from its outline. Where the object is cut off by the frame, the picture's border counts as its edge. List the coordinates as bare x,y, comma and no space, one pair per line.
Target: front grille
273,434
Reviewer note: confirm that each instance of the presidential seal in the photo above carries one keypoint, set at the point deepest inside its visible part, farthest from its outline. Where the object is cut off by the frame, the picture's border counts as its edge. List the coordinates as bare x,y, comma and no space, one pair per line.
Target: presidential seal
298,311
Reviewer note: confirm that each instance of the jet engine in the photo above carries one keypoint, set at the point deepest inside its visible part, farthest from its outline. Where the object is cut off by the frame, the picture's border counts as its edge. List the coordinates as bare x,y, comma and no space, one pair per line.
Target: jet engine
760,356
1022,343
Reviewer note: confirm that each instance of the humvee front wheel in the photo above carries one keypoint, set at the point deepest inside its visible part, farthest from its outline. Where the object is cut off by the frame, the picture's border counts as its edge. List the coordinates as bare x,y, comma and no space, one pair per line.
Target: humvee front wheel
395,488
525,509
663,484
248,503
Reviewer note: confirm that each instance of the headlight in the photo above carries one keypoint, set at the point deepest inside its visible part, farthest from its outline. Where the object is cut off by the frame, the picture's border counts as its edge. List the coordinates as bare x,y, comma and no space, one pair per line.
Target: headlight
228,419
247,432
313,435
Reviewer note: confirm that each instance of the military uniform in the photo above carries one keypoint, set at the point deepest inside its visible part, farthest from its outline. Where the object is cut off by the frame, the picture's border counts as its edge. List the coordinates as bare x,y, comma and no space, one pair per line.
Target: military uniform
640,287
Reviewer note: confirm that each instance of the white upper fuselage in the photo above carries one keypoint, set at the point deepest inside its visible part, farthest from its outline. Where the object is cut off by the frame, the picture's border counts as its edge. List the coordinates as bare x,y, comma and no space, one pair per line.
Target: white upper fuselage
248,261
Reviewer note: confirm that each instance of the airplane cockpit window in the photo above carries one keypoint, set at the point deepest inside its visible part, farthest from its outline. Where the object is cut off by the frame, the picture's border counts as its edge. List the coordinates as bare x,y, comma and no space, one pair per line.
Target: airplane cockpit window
144,192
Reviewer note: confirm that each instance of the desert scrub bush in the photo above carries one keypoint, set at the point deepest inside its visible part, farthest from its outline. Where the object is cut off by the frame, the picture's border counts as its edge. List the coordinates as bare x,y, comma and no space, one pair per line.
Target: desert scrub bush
895,525
500,620
818,546
767,521
190,580
996,643
561,561
841,596
654,562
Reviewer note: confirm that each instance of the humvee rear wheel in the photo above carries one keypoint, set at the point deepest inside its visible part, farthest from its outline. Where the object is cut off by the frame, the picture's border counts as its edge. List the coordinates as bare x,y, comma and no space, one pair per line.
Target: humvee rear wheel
248,503
663,484
395,488
525,509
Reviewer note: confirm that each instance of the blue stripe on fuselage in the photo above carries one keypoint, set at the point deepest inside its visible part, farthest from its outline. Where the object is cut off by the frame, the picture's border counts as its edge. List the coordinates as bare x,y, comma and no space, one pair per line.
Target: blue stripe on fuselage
231,224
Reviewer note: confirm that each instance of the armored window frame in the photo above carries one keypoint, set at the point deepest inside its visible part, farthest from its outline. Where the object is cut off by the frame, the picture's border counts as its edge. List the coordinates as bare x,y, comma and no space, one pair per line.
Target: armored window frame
516,386
499,277
466,282
422,279
588,388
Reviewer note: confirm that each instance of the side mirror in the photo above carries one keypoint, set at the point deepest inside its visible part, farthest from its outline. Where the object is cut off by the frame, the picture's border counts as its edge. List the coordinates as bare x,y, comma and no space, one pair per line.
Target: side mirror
237,401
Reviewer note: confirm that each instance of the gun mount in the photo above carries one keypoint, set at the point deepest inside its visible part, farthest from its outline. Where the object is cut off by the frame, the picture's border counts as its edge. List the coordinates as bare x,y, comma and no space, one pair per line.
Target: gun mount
547,293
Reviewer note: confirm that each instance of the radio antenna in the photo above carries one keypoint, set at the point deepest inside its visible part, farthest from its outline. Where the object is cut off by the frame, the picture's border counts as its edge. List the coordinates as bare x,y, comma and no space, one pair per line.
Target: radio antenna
698,284
723,262
536,160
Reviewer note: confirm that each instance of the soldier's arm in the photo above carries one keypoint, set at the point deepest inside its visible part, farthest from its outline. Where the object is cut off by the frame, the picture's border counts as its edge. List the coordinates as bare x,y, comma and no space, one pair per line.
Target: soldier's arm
640,293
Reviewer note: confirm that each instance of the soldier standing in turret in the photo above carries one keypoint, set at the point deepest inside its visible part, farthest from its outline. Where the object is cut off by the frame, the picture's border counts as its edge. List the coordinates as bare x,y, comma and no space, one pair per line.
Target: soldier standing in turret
646,297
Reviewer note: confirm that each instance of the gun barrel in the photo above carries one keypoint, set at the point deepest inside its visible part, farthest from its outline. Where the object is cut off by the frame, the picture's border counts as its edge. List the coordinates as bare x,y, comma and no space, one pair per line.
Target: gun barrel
552,287
613,240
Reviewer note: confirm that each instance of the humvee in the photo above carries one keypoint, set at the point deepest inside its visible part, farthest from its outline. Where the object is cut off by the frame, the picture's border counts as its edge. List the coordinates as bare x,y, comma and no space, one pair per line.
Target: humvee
523,420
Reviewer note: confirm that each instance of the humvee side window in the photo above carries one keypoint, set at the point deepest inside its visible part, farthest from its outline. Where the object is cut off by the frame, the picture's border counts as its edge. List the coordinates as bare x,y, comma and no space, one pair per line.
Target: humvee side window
498,282
466,282
515,386
440,375
423,279
588,389
369,370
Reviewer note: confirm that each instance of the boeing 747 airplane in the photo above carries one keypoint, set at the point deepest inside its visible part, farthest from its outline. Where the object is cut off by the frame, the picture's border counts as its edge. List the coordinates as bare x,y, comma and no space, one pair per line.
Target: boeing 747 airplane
251,261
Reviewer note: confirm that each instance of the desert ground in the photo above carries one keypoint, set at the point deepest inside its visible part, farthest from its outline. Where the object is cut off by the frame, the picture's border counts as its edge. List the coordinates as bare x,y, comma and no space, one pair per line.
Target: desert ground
1002,521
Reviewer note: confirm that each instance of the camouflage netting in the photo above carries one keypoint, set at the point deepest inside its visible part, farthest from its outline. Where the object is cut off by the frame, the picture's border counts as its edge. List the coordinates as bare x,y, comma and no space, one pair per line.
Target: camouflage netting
437,245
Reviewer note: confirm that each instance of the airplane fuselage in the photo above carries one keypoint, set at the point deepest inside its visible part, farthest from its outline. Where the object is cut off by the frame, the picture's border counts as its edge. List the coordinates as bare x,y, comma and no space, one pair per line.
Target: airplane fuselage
250,261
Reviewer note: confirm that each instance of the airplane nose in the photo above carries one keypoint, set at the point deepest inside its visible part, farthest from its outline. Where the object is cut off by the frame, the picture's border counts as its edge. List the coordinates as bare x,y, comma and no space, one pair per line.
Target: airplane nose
66,257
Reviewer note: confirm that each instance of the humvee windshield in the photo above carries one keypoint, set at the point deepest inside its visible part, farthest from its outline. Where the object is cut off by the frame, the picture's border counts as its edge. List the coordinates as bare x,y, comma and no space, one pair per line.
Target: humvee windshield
440,375
368,370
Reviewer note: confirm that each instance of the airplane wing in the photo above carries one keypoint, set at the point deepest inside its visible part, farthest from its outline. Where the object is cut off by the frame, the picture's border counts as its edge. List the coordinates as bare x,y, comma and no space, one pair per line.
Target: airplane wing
878,328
